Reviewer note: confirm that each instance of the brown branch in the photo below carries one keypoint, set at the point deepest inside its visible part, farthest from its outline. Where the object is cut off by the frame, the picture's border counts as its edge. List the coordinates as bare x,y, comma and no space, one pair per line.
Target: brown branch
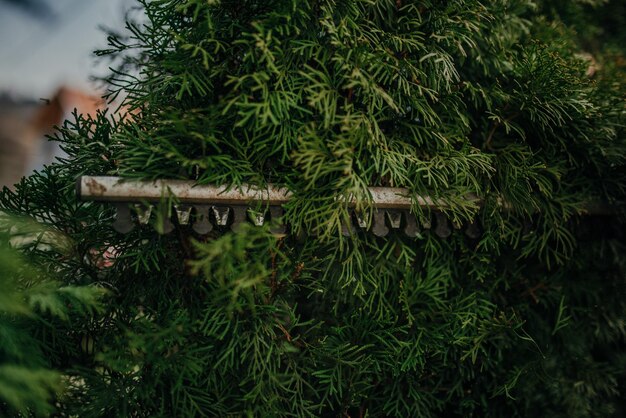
495,127
532,291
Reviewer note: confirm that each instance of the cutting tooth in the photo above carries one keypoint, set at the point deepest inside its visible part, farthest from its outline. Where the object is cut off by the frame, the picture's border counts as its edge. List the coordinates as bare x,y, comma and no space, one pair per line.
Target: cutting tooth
411,229
201,222
239,217
258,217
183,213
427,223
221,215
361,222
473,230
275,213
442,229
380,229
143,213
395,218
123,222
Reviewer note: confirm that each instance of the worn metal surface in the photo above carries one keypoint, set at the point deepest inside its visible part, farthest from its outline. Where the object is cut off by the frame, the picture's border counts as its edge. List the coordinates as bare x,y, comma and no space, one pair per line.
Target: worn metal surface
206,206
116,189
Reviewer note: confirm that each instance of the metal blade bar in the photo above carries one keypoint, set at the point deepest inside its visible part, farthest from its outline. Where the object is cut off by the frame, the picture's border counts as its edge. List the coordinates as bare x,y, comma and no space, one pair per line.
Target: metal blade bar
221,206
117,189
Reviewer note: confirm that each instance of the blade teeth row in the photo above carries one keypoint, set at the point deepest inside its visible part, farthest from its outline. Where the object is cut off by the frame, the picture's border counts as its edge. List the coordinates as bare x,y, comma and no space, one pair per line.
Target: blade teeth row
204,218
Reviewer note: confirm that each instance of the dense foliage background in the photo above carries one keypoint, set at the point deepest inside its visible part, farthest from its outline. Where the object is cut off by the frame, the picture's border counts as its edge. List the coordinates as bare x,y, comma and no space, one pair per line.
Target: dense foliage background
511,100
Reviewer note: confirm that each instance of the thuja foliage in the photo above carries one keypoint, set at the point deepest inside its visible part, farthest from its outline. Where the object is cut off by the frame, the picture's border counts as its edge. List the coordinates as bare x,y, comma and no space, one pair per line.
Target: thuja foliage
35,310
518,102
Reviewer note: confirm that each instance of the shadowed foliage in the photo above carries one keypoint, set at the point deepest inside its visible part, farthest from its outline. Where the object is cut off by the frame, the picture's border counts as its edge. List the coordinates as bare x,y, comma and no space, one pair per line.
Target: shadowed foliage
513,101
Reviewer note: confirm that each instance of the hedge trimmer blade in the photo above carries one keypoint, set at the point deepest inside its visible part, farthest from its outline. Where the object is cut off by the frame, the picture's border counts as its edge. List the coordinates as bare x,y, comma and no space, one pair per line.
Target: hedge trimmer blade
206,207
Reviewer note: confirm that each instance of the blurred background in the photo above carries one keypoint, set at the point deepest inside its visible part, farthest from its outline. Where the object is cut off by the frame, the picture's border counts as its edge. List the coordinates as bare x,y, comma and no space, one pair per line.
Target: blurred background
46,67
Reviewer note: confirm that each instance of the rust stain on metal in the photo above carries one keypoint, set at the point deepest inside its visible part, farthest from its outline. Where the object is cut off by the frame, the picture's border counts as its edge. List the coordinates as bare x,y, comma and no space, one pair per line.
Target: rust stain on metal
94,187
